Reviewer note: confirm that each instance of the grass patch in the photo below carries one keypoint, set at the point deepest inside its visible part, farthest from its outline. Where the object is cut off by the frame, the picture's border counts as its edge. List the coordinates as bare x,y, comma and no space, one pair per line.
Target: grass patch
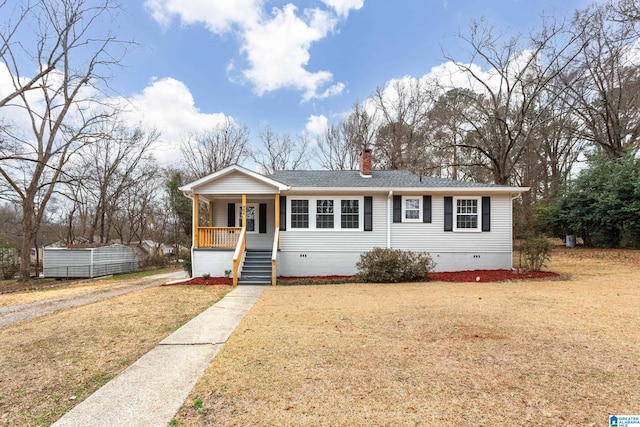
312,281
144,273
541,353
50,364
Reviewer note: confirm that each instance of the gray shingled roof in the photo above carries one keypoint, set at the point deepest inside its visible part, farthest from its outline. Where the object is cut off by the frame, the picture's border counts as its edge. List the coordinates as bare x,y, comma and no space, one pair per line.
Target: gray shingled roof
379,179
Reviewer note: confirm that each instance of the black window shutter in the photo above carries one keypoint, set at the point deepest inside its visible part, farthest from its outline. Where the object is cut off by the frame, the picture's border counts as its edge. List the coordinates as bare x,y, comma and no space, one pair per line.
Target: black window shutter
368,213
426,209
283,213
231,215
262,218
397,208
486,213
448,213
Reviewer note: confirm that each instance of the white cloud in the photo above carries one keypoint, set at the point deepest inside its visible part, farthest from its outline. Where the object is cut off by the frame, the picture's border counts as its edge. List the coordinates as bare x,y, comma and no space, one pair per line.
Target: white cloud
168,106
275,45
165,104
316,125
278,51
343,7
218,15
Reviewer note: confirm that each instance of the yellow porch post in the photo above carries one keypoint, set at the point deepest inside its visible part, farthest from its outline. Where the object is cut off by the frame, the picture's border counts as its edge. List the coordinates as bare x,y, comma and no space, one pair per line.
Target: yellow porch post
244,211
196,219
277,217
210,214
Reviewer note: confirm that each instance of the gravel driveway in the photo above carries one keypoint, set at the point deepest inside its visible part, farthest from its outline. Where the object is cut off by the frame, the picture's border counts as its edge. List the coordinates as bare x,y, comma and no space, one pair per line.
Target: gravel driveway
13,314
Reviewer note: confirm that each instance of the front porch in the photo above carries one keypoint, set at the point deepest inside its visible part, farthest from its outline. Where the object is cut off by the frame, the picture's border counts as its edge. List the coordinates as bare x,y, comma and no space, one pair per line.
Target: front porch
227,226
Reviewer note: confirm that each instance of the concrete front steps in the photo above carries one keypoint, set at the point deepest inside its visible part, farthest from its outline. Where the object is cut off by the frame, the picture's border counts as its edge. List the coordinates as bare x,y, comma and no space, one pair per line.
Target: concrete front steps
256,269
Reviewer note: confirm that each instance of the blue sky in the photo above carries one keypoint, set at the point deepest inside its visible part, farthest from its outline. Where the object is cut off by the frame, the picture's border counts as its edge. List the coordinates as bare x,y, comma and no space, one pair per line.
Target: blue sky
290,64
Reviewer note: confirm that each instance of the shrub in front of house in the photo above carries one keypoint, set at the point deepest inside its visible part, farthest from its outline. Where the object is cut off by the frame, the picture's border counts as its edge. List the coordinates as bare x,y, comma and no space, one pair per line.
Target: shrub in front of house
393,265
535,252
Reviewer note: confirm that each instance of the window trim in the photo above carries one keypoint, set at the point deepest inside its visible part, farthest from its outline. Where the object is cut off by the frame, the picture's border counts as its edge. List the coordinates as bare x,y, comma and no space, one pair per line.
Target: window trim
478,214
404,208
331,217
359,215
337,212
291,213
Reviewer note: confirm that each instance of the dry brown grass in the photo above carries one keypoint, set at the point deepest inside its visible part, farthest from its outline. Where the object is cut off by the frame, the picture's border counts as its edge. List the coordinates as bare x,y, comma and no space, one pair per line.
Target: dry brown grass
50,364
67,288
561,352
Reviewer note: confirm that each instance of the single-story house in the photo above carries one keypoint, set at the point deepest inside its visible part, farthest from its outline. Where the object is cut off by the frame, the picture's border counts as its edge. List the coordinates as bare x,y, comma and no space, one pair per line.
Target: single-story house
317,223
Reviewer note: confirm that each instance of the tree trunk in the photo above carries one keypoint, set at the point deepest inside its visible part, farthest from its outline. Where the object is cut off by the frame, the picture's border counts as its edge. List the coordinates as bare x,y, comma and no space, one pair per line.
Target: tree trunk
28,236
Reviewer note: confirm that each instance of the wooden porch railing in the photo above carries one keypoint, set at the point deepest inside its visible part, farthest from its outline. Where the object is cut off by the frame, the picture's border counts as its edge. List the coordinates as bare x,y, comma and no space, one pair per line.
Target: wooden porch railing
274,256
238,255
218,237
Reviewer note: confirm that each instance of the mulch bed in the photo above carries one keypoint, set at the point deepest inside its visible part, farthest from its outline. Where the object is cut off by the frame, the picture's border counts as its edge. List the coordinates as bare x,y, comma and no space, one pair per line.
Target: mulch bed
449,276
489,275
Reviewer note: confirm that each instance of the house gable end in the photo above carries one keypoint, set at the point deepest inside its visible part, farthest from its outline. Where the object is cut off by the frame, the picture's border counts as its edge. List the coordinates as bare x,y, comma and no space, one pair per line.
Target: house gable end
234,180
235,183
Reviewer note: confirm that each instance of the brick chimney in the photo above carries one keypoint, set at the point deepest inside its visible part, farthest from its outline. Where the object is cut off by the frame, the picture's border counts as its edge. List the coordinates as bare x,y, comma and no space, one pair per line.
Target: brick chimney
365,163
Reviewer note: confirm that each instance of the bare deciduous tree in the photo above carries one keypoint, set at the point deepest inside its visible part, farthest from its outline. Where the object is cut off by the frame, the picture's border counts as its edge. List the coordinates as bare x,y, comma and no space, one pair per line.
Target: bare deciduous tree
401,112
504,100
115,166
604,85
210,151
48,116
281,152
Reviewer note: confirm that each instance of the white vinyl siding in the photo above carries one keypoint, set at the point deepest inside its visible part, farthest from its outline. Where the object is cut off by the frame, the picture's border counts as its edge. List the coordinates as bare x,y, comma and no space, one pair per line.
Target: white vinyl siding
337,239
335,251
235,183
432,238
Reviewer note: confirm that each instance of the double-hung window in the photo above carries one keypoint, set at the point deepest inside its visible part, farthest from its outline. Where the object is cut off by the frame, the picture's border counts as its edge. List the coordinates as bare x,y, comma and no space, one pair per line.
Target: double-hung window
299,214
324,213
349,214
467,214
411,211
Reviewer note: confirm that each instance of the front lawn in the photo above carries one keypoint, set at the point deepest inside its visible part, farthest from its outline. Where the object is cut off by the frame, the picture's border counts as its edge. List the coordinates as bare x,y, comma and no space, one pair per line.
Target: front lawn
50,364
544,352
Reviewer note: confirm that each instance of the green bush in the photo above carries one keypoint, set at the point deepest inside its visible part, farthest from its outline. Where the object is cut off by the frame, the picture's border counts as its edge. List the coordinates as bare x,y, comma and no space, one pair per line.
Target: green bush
535,252
8,258
393,265
185,256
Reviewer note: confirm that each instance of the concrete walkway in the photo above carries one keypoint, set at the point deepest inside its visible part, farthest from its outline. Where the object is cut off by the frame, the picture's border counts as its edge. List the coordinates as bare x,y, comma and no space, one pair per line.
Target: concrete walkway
151,391
12,314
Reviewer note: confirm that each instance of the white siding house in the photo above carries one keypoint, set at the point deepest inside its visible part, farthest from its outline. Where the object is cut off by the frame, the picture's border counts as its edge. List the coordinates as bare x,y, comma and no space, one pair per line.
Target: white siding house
317,223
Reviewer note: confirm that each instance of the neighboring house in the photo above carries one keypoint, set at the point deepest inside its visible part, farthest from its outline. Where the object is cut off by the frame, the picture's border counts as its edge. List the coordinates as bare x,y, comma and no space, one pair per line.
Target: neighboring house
146,250
315,223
